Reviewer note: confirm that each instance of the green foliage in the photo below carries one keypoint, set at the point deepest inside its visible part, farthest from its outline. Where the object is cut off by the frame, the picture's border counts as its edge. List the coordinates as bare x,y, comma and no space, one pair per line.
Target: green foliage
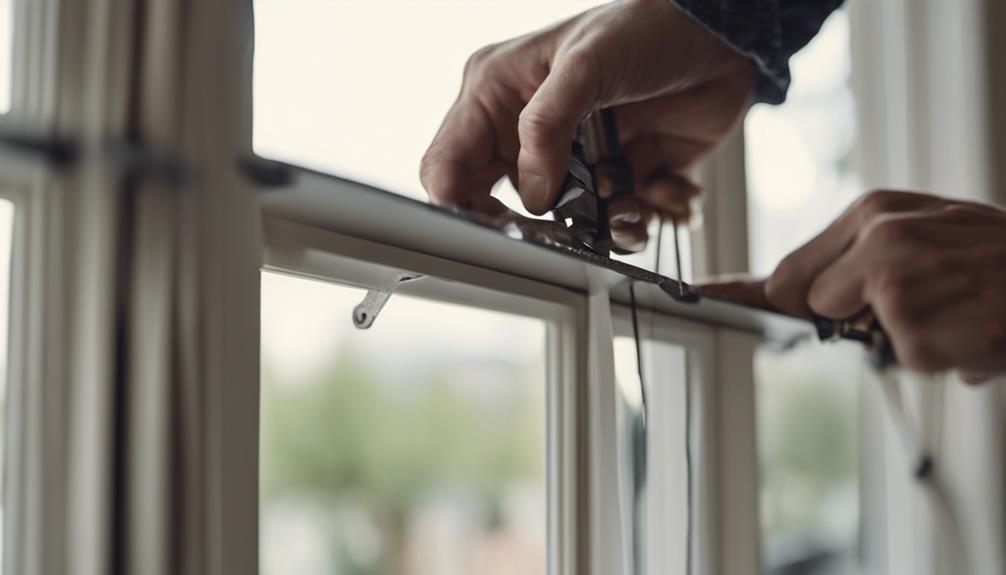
346,431
807,418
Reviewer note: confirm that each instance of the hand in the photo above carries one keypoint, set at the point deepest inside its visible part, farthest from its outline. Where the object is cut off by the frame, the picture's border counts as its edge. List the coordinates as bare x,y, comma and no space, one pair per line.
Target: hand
933,271
677,91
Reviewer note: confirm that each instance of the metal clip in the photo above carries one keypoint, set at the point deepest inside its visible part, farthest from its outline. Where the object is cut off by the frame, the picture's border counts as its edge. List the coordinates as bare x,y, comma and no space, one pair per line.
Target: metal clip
366,311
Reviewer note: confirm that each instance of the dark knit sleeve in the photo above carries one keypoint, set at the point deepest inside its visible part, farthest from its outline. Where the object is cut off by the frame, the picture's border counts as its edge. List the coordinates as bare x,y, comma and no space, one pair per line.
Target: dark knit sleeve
766,31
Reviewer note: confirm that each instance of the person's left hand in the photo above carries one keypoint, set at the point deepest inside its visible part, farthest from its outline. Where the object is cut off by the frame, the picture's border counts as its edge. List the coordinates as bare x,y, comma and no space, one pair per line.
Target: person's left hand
933,271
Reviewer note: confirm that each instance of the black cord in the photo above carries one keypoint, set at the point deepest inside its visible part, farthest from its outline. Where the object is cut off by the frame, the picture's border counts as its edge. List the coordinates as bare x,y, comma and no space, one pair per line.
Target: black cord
660,244
688,457
688,418
639,347
639,446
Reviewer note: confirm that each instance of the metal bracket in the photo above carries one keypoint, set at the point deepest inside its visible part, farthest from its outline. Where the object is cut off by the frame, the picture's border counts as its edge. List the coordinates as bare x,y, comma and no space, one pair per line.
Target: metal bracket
367,311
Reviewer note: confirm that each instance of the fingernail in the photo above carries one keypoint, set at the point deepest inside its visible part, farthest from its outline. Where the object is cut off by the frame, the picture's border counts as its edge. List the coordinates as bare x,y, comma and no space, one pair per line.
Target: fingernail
533,189
628,241
624,213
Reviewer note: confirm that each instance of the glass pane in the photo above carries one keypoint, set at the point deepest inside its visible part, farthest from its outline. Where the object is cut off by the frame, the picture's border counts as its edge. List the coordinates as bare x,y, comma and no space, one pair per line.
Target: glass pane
653,470
358,87
6,239
801,175
416,447
808,444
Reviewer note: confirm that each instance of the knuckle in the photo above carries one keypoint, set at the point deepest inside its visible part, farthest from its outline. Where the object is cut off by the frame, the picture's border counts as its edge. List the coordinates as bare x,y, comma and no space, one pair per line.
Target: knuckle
429,163
782,283
425,170
478,60
789,268
588,65
892,288
875,204
886,231
585,57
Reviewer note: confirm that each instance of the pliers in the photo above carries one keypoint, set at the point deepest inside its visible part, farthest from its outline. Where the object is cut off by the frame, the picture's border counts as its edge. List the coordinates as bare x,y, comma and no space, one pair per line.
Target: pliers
597,173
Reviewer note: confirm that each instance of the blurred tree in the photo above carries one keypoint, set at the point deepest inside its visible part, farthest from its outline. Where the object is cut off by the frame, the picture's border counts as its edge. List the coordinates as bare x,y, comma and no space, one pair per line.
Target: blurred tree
807,415
345,433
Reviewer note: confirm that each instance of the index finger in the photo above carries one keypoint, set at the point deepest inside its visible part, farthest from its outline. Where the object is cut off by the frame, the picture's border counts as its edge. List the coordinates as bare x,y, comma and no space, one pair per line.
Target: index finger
788,286
461,161
746,292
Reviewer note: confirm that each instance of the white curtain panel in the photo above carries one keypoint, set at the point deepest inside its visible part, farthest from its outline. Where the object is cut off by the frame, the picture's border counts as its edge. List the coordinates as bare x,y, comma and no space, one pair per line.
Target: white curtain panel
159,251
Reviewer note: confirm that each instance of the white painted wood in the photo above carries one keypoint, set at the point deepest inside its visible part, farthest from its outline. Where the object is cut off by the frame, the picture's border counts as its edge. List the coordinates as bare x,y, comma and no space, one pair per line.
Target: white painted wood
607,551
735,475
567,352
720,244
313,204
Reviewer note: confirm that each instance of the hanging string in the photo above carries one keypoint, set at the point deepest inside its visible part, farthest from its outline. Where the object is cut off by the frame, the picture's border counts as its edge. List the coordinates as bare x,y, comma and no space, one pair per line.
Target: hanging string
660,244
639,348
688,401
640,446
688,422
923,468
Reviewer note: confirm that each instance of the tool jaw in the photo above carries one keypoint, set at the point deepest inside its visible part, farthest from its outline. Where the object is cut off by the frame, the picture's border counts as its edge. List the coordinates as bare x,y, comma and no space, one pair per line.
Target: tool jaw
597,173
579,206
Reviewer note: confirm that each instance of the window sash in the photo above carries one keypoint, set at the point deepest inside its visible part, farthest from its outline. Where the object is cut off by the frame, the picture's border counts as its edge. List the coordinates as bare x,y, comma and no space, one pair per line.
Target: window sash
319,254
331,229
432,241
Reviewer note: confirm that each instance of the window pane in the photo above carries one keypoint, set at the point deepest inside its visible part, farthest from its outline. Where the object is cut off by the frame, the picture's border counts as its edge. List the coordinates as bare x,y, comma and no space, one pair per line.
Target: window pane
416,447
808,449
358,87
653,476
801,175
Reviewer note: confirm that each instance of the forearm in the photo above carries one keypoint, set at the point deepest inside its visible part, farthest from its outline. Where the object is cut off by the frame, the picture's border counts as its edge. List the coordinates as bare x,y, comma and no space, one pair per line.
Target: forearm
766,31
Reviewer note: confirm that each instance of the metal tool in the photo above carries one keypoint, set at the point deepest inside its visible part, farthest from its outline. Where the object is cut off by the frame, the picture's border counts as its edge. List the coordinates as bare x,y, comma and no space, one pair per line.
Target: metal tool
597,173
685,292
864,328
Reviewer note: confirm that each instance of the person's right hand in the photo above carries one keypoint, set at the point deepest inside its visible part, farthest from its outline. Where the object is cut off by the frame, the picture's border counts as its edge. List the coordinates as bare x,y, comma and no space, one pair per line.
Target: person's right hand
677,90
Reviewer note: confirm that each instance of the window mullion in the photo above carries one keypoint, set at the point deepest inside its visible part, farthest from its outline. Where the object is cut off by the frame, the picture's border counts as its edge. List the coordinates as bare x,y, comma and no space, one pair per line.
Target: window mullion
607,550
731,416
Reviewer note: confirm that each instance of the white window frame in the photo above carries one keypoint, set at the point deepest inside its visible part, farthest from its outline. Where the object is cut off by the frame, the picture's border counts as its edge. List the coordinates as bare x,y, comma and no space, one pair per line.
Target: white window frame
309,252
309,231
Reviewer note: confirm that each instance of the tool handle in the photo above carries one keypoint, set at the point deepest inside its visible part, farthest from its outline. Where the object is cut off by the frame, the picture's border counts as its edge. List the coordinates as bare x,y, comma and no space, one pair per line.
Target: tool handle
863,327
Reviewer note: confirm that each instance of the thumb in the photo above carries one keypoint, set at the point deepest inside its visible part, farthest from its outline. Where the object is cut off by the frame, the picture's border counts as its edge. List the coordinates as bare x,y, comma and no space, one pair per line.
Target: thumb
547,126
